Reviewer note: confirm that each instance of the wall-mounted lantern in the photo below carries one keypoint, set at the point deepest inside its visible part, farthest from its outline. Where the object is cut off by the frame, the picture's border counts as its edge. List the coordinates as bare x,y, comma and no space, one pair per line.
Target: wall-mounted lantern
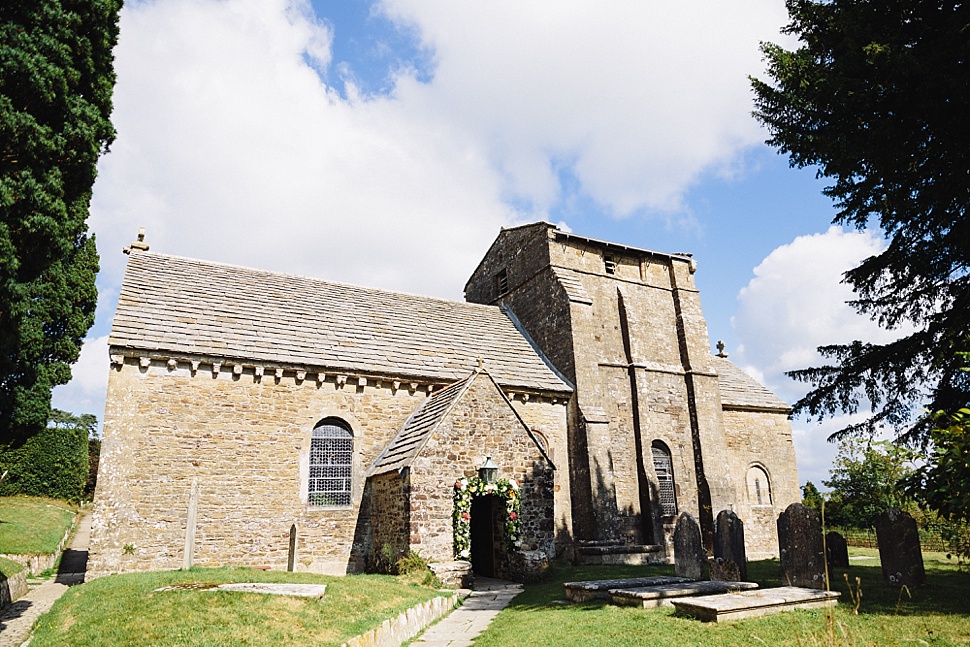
488,470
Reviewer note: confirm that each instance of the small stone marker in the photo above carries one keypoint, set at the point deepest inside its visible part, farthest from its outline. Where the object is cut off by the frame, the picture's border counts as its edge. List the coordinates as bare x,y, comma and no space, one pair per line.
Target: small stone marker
689,557
729,543
291,551
836,550
725,570
188,551
600,589
751,604
899,549
650,597
800,546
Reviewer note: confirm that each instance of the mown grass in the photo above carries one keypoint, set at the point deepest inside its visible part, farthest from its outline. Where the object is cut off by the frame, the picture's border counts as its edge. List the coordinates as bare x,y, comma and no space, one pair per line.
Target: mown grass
33,526
128,610
9,567
937,614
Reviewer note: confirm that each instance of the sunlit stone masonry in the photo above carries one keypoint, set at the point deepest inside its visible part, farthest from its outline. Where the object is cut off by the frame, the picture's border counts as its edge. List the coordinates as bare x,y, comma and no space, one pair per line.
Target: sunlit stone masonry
272,420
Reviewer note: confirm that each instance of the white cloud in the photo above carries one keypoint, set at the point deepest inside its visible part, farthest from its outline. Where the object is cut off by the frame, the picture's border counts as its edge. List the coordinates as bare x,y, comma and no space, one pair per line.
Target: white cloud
639,96
795,303
86,391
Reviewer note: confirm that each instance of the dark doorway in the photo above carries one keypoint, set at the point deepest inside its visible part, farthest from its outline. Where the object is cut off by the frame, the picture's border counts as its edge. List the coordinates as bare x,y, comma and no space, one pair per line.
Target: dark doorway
483,535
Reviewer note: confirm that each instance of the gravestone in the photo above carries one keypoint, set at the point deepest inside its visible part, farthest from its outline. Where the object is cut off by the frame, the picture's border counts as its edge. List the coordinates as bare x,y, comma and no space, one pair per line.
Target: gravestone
836,550
291,551
800,547
899,549
689,554
729,542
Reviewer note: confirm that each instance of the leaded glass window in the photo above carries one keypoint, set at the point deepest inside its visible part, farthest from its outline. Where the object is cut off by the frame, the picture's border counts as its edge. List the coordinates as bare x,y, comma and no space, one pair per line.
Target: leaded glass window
664,469
331,463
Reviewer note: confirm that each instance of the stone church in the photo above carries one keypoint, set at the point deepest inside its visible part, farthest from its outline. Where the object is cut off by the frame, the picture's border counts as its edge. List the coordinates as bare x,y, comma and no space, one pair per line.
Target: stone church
570,408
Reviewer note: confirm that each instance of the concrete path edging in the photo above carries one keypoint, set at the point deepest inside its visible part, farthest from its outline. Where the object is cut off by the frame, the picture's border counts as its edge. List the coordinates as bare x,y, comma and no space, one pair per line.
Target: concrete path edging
467,622
396,631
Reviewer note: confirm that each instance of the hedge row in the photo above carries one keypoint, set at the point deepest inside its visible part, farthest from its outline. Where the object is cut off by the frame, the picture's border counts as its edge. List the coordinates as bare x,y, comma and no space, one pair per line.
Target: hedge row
53,464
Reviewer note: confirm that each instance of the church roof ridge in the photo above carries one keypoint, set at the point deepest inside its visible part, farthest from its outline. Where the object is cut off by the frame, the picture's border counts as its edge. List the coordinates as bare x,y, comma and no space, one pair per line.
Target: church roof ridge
221,310
741,391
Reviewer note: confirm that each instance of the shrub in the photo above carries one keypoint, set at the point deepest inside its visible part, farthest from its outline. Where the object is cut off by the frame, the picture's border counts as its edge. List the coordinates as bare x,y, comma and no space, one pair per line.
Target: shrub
52,464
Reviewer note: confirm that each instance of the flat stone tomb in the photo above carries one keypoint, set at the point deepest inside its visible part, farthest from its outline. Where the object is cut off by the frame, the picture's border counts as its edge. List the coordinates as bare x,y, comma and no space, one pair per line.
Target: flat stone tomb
600,589
751,604
651,597
299,590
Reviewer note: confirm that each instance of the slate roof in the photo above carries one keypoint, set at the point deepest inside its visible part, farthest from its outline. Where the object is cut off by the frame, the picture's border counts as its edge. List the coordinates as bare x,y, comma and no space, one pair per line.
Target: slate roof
741,391
416,431
169,303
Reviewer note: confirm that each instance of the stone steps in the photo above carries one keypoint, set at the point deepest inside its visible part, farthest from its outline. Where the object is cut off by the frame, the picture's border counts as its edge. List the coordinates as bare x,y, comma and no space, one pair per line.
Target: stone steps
651,597
612,553
751,604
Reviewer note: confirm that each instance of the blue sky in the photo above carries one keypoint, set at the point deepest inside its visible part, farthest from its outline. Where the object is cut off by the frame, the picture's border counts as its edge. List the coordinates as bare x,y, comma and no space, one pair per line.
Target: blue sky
385,143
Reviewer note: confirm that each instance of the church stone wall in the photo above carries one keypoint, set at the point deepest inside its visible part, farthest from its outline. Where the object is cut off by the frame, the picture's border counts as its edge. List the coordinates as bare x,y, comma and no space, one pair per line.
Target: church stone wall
246,442
390,520
759,440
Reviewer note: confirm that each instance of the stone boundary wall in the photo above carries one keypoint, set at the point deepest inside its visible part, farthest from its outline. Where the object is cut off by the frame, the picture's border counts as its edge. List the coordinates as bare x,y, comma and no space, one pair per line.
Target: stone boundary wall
12,589
36,564
396,631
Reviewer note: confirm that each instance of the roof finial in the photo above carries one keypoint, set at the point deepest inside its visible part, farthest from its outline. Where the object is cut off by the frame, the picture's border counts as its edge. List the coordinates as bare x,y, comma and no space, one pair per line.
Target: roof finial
481,365
720,349
139,244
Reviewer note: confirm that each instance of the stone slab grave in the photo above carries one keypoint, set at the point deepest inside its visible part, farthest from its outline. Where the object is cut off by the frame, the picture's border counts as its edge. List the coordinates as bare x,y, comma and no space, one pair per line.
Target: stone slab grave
800,547
600,589
298,590
899,549
651,597
689,556
751,604
729,546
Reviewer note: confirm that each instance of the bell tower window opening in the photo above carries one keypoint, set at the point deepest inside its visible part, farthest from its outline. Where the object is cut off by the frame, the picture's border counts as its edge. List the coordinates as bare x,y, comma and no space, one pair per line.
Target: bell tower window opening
663,467
331,464
502,282
609,264
759,486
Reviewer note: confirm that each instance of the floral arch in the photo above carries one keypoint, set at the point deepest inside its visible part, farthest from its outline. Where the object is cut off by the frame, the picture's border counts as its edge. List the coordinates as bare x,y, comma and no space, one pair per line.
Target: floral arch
465,490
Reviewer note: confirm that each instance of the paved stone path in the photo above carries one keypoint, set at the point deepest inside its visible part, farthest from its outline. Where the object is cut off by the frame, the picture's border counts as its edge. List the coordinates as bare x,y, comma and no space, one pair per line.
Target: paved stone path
465,623
18,619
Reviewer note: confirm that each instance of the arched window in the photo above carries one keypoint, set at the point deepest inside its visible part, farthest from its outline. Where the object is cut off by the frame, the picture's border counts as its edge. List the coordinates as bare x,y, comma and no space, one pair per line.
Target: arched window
759,488
331,463
664,469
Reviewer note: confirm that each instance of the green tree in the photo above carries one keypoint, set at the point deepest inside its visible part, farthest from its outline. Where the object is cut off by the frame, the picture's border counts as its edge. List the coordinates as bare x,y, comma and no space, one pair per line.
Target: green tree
943,481
811,497
865,480
56,80
876,97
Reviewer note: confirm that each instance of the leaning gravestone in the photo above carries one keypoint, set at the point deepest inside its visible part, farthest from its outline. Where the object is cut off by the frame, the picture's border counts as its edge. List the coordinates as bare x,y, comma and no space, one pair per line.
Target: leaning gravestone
800,546
899,550
729,542
689,554
836,550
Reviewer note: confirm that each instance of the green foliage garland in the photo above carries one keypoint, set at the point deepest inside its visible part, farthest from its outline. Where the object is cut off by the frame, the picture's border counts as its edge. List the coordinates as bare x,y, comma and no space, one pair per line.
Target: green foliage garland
465,489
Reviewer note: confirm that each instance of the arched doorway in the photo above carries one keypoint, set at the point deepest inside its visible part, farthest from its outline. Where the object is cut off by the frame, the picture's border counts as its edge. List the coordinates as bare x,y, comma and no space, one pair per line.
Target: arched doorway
483,531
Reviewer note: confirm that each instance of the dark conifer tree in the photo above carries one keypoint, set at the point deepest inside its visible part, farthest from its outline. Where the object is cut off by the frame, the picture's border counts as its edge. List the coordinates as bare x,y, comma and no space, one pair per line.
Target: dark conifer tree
56,80
877,97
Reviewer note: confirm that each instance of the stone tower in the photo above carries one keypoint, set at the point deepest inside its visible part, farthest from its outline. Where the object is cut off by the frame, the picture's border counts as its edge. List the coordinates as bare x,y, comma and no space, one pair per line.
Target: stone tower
624,325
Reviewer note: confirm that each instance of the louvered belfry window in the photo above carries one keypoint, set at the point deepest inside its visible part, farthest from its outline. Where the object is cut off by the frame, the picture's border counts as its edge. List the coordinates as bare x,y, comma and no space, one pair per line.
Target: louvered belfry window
331,463
664,469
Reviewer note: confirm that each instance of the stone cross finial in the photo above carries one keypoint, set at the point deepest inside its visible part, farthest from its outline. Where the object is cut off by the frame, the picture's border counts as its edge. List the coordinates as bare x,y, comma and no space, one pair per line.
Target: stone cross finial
139,244
481,363
720,349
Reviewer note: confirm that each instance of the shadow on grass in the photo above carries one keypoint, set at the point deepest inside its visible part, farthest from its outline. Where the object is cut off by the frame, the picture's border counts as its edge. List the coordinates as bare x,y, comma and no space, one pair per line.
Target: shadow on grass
947,590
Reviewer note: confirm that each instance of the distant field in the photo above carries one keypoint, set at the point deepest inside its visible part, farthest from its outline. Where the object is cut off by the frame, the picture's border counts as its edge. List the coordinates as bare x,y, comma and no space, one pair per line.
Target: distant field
937,614
33,526
127,610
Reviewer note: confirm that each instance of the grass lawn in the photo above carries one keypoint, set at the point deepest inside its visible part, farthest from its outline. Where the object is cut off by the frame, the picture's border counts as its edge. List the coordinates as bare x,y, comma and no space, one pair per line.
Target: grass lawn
31,525
9,567
127,610
937,614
